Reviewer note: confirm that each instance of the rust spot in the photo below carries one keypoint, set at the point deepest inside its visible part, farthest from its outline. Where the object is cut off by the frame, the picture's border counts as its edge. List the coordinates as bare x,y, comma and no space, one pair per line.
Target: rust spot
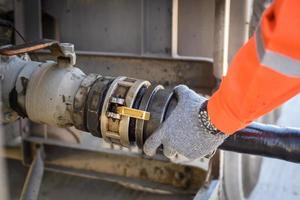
143,173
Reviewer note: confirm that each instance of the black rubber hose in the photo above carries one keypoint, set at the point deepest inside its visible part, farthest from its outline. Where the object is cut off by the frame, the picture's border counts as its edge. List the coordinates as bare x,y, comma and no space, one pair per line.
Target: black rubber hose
266,140
260,139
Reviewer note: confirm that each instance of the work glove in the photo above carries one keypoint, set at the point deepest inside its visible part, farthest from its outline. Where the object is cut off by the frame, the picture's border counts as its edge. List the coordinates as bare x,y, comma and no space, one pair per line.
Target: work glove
187,133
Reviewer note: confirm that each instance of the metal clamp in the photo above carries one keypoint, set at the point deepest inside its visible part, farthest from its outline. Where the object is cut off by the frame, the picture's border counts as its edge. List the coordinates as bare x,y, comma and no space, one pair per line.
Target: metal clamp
135,113
118,109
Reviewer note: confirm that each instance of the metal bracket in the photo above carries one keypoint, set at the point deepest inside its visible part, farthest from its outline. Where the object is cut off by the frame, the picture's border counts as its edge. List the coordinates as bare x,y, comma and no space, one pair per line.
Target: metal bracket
31,187
60,50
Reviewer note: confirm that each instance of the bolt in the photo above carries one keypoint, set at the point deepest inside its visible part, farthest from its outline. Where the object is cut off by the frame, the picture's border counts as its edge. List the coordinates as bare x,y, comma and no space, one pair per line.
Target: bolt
67,47
179,176
68,52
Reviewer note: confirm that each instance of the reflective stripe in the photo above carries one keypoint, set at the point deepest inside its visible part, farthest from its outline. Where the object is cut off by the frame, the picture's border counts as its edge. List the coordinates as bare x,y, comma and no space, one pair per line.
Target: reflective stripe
276,61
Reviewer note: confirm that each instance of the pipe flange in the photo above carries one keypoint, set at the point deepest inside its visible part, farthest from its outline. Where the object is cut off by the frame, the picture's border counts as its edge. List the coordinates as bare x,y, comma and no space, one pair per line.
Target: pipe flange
122,92
79,104
94,104
139,125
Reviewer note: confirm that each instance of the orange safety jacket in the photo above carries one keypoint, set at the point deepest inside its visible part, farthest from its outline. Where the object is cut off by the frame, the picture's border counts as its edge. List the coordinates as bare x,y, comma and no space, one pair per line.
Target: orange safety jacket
264,73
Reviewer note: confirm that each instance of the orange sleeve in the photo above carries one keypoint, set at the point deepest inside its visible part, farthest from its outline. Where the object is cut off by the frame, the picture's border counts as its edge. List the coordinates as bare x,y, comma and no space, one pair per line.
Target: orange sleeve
264,73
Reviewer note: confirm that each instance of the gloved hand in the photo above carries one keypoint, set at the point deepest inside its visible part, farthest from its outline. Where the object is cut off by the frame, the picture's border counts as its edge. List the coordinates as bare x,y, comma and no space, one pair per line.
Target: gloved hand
187,133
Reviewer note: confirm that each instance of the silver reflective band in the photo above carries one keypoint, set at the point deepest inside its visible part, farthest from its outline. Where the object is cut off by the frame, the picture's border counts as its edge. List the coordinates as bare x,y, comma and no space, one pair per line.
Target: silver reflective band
276,61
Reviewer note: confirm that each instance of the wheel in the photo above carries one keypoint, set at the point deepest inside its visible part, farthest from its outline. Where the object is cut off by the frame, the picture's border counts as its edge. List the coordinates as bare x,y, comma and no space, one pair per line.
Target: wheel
241,173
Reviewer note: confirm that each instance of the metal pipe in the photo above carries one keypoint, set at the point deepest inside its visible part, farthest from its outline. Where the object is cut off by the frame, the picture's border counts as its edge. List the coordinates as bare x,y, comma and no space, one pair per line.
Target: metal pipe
221,35
31,187
266,140
90,102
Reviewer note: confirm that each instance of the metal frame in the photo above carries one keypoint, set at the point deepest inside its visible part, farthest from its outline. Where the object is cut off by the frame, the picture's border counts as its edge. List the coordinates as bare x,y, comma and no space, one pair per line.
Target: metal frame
34,177
131,169
178,69
28,19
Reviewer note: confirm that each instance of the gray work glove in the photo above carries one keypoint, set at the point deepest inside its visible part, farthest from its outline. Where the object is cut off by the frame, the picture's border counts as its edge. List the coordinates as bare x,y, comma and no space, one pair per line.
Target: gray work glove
183,135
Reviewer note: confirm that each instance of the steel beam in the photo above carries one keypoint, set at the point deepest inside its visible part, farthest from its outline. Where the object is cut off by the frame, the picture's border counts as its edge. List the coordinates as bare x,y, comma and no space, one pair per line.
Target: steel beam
130,169
197,74
34,178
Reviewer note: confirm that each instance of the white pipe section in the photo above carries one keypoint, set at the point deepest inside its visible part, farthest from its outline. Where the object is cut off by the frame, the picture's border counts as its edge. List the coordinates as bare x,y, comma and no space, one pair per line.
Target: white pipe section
50,93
